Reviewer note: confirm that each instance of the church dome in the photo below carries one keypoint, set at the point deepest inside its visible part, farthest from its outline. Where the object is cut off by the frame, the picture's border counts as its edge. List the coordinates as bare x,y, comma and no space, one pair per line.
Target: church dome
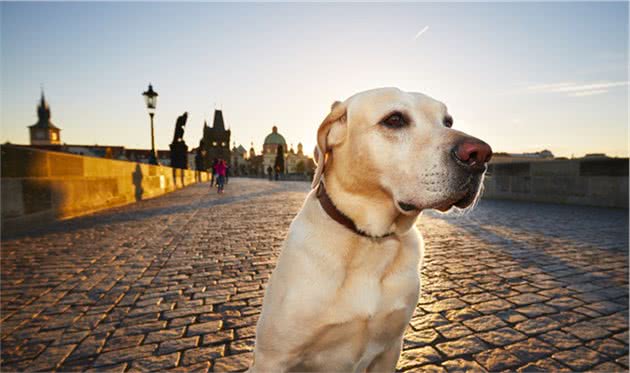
274,138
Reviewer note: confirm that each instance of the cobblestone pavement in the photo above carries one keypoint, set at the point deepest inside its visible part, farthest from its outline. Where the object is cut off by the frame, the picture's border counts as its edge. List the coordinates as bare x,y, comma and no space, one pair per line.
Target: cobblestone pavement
177,282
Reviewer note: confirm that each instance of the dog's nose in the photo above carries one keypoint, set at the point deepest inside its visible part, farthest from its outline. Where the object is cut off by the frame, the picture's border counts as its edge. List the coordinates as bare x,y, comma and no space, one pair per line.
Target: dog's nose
473,153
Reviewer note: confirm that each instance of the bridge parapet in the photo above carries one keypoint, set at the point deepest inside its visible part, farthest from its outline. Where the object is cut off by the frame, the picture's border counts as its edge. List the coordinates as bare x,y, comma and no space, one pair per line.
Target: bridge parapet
593,182
42,186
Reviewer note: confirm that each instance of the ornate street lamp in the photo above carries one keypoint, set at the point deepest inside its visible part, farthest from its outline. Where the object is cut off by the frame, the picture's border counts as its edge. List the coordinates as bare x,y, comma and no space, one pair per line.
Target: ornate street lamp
150,96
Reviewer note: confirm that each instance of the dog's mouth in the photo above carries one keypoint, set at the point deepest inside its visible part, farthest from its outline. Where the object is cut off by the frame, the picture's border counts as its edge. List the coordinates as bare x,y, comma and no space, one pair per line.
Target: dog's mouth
407,207
465,195
468,195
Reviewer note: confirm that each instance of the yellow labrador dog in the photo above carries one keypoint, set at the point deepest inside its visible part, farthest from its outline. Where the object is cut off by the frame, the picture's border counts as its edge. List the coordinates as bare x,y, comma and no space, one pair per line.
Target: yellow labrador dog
346,283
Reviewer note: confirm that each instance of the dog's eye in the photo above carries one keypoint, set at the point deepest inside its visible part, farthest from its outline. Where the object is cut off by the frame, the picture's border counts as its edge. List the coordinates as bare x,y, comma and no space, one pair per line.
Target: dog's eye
395,120
448,121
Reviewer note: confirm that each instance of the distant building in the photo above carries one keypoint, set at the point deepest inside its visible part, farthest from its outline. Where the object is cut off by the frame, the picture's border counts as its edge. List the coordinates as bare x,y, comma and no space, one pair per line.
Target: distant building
216,141
239,160
543,155
596,156
254,163
270,148
297,163
44,132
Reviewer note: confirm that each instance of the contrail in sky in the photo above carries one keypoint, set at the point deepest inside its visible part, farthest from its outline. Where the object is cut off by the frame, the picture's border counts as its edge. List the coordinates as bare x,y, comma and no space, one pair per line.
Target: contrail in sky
421,32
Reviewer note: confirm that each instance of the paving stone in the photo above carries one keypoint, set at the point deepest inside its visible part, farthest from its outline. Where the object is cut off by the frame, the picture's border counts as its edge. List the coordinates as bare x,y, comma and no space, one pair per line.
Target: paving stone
502,337
51,357
587,311
417,356
242,345
605,307
429,368
560,339
497,360
163,335
71,338
615,322
196,368
622,337
586,331
125,341
609,367
116,368
444,305
530,350
200,354
249,331
580,358
537,325
527,298
608,347
556,292
564,303
461,314
177,345
535,310
431,320
544,366
221,336
463,346
156,363
89,347
140,329
511,316
233,363
179,313
181,321
28,352
492,306
484,323
117,356
204,328
478,298
453,331
461,365
567,317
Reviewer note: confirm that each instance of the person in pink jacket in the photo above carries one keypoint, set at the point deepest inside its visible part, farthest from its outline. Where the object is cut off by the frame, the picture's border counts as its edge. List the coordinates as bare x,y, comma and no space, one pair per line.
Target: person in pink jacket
220,170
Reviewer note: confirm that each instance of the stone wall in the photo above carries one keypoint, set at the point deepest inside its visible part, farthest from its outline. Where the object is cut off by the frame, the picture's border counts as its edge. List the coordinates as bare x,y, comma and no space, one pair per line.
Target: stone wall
42,186
596,182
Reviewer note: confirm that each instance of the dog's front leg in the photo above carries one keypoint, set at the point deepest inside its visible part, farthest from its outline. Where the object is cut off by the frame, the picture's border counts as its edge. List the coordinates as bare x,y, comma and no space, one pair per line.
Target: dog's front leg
262,364
271,361
386,361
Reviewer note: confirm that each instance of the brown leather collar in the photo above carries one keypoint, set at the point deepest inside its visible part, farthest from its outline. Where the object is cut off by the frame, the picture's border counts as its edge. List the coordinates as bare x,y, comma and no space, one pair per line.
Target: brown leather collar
338,216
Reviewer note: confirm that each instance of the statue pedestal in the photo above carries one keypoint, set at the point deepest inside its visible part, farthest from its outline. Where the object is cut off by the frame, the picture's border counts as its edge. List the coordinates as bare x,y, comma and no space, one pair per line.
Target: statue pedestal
179,155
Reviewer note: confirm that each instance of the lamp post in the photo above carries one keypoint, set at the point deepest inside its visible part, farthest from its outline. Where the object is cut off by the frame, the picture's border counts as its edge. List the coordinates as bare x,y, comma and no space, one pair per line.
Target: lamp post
150,96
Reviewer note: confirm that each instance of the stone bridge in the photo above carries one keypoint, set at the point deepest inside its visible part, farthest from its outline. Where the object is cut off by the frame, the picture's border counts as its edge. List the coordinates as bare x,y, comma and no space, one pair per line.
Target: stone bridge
176,283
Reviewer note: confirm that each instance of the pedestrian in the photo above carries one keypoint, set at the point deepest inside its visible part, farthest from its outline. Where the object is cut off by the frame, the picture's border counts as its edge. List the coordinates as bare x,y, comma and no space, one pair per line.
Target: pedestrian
213,171
221,170
227,172
198,165
269,172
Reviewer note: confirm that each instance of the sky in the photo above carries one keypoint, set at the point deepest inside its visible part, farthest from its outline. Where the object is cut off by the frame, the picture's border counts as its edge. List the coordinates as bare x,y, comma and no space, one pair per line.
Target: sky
521,76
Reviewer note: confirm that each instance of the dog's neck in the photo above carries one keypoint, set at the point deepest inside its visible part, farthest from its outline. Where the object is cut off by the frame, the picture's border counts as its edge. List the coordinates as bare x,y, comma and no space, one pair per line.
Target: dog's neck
331,209
372,213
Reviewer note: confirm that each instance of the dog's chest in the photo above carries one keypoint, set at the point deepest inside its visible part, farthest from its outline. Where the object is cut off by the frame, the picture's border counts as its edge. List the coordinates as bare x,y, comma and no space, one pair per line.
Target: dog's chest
378,280
370,311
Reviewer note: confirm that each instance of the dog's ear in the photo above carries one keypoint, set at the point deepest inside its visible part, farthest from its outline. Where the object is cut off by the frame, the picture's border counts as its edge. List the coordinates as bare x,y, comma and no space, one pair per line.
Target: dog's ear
331,132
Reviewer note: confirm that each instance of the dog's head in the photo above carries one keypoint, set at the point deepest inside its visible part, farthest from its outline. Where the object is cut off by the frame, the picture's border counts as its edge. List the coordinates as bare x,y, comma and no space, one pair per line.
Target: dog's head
401,144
